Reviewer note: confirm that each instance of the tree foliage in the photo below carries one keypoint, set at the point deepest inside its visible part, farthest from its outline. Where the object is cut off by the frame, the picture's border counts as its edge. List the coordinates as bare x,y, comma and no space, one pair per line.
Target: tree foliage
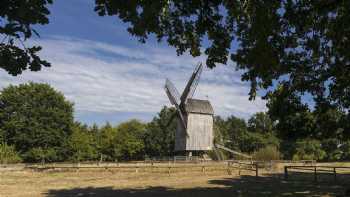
301,44
160,134
36,125
129,139
35,117
260,123
16,21
81,144
309,149
107,146
237,134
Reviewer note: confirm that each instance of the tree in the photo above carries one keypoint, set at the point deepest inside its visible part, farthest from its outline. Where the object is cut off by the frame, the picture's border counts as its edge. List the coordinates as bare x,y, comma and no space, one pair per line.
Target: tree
35,117
129,140
107,142
81,144
17,18
303,44
159,137
234,133
330,121
260,123
345,149
236,129
333,149
309,149
294,119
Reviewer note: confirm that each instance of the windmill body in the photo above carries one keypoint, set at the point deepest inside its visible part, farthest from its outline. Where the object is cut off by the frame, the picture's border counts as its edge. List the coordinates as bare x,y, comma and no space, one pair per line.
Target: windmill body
194,117
198,135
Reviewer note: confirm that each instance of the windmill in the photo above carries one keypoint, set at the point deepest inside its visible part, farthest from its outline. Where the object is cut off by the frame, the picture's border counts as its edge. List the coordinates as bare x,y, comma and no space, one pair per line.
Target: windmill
195,119
194,130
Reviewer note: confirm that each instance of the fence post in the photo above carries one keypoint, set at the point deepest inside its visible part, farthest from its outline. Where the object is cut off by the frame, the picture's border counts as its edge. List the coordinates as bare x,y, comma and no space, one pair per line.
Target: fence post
256,170
286,172
239,169
335,174
315,173
229,169
169,170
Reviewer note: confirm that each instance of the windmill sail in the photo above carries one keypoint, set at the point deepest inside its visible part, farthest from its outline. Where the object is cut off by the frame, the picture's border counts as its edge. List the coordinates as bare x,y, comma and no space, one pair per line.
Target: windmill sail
174,98
172,92
191,85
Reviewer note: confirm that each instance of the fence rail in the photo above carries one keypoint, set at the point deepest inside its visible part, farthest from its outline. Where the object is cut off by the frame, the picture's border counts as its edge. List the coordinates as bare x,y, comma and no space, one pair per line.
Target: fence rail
169,168
244,166
314,169
166,167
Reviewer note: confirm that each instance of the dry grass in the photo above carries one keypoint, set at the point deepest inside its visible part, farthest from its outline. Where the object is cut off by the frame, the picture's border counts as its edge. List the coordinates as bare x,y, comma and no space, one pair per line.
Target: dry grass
182,182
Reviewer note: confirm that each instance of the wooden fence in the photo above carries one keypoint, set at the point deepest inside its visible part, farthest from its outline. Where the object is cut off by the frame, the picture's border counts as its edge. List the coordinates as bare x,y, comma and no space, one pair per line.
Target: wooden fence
166,167
244,166
315,169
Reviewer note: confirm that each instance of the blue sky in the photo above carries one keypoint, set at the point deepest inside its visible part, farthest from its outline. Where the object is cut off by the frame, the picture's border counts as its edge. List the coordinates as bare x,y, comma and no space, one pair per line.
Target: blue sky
110,76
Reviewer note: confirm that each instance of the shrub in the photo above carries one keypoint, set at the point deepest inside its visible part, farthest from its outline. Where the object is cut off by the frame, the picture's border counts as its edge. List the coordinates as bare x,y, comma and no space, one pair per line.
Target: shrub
308,150
41,155
331,147
345,149
8,154
267,153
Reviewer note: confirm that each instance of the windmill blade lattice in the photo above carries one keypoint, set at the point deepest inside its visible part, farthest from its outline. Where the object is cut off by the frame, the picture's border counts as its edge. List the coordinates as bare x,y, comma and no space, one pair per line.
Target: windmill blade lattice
195,83
174,98
172,92
192,84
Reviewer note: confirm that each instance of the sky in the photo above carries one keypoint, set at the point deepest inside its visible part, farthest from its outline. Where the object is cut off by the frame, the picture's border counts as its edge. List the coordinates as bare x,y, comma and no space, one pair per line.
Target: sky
111,77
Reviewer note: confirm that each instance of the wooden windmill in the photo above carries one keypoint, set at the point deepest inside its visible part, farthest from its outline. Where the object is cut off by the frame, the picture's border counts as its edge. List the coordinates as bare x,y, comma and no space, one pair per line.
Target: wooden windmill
194,130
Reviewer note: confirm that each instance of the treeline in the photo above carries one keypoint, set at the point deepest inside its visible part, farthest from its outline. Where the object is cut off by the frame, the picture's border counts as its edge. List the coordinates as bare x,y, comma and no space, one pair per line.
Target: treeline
37,125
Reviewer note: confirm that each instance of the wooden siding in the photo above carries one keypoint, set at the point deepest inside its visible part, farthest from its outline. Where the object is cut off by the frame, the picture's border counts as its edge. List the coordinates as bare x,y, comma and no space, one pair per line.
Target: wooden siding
200,133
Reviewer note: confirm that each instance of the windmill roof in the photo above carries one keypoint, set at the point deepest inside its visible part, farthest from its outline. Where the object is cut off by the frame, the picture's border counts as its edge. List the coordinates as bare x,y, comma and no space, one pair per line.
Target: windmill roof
199,106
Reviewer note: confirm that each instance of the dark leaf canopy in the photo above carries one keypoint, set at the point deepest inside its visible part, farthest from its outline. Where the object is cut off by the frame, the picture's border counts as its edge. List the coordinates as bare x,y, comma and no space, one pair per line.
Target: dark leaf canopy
35,116
16,20
302,44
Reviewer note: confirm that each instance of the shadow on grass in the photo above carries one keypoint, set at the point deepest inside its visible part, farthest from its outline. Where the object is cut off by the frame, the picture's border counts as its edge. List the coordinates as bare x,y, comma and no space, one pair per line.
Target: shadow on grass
239,186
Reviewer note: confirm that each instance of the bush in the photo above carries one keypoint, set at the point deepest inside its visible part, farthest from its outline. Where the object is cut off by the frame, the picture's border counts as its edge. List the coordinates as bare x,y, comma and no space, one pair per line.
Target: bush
267,153
345,149
331,147
41,155
8,154
308,150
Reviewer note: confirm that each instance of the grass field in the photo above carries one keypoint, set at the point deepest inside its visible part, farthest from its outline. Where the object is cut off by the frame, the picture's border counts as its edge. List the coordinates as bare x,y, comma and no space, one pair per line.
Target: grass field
182,182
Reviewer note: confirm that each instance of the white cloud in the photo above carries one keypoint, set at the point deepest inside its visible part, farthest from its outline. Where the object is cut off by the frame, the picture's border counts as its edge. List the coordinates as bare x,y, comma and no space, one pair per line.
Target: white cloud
100,77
